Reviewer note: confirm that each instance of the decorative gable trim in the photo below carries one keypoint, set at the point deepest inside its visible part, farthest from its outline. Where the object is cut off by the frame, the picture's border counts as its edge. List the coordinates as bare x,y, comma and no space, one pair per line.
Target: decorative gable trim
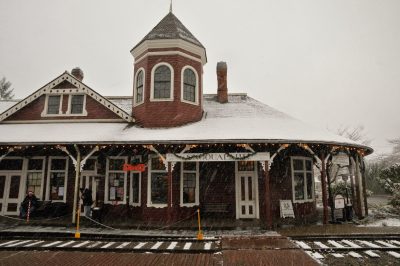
80,88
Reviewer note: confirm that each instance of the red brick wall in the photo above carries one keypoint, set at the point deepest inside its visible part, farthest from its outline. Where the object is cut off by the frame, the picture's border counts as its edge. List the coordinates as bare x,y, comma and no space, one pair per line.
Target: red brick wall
173,113
34,110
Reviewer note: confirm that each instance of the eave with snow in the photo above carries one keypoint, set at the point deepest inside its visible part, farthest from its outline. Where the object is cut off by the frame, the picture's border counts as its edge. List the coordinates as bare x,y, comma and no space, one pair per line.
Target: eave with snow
223,153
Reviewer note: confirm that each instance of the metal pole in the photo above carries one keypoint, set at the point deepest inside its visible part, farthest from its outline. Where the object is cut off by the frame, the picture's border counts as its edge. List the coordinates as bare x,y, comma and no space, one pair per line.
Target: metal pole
75,208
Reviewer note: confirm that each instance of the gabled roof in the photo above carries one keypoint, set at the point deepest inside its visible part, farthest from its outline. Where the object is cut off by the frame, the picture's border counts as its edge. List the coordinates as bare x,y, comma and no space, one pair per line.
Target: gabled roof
170,27
79,87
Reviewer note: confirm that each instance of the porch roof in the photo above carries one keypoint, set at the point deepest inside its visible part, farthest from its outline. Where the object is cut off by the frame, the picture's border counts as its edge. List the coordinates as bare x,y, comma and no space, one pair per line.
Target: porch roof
241,120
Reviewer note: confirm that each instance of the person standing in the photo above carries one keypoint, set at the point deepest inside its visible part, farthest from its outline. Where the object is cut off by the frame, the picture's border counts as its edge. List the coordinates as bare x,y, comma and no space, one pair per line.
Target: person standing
87,201
29,204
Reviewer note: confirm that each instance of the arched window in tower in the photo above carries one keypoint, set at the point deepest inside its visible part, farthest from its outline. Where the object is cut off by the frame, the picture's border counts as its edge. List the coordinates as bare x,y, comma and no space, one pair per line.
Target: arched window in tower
189,85
139,87
162,82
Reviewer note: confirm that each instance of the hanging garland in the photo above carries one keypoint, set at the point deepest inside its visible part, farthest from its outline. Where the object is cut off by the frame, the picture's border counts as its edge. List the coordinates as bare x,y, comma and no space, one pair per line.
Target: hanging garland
241,158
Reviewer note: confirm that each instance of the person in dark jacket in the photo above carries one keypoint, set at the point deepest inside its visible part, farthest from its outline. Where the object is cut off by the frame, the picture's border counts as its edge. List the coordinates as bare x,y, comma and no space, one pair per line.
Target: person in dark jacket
87,201
29,204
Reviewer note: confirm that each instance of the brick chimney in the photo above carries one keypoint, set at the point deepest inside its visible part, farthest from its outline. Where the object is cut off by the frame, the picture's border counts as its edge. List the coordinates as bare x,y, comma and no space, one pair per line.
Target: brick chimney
222,70
77,73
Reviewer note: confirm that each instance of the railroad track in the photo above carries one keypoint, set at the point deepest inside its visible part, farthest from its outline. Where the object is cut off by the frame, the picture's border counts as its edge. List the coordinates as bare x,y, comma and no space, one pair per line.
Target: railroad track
102,245
357,246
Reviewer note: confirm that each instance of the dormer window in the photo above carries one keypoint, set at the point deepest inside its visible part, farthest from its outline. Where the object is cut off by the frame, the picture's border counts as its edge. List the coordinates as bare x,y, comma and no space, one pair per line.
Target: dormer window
139,87
162,85
54,104
60,105
77,104
189,85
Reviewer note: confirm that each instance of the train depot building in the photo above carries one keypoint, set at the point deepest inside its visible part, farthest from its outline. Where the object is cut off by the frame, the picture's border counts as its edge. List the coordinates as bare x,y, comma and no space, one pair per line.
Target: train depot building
159,155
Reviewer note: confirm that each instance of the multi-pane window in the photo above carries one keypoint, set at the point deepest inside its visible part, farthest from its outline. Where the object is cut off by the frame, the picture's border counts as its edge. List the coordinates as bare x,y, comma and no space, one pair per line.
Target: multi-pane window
53,104
11,164
139,87
162,82
77,104
189,85
57,178
189,183
34,177
302,178
135,188
116,179
246,166
158,189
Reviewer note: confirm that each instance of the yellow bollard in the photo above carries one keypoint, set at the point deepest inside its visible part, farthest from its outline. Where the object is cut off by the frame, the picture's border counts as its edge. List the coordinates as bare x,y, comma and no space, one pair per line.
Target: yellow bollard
200,235
77,233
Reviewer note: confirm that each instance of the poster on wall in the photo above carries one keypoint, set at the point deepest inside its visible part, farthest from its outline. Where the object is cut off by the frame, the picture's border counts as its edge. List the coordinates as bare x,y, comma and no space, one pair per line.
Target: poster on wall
112,193
61,191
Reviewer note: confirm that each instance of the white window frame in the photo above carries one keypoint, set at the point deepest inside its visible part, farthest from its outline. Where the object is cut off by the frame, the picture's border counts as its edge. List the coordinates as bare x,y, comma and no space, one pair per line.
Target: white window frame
36,171
46,105
196,91
49,171
84,111
108,171
304,171
135,88
149,172
196,203
171,98
136,204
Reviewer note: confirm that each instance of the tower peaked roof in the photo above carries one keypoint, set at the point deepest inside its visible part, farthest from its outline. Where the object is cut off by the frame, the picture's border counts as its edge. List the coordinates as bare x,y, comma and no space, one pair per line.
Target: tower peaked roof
170,27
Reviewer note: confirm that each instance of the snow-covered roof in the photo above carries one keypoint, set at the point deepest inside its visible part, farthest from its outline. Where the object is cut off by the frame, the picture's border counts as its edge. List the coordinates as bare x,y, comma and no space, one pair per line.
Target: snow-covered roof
5,104
242,119
123,102
170,27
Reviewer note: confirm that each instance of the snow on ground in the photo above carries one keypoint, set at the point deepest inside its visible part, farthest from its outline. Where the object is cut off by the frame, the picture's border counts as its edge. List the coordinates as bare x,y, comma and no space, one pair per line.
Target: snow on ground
384,222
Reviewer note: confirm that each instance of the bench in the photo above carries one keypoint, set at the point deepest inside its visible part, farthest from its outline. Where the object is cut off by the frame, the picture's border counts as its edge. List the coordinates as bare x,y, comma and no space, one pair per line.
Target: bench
216,208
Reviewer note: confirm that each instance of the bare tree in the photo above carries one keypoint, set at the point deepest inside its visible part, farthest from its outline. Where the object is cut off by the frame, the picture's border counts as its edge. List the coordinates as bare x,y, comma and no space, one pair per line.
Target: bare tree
6,93
356,133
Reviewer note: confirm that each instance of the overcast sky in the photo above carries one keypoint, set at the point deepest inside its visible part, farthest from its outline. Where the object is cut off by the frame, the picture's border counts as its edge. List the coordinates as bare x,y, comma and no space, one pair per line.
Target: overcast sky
330,63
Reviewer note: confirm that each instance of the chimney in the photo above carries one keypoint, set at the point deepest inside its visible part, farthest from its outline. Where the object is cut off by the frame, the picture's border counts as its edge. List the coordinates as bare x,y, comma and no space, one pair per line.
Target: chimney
222,70
77,73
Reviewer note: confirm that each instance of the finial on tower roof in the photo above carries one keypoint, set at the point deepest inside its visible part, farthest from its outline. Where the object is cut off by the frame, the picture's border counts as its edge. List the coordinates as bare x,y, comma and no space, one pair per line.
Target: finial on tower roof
170,7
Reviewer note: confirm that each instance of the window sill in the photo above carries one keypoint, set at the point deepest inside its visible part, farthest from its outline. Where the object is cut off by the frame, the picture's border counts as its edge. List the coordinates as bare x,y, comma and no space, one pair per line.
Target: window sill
303,201
158,206
138,104
112,202
189,205
162,100
189,102
135,204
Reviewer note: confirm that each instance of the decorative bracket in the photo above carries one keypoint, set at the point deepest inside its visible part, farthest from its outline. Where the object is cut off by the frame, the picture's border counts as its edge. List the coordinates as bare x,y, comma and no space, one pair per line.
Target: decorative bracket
282,147
83,162
4,155
64,149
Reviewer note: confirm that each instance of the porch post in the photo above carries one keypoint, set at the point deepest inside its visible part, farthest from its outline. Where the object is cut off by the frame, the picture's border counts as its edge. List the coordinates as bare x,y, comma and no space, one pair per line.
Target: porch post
364,189
268,196
358,189
169,191
353,195
323,187
75,208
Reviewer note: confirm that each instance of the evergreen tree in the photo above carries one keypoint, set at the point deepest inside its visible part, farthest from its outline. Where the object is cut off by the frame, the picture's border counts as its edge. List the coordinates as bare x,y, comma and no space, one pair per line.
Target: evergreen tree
5,92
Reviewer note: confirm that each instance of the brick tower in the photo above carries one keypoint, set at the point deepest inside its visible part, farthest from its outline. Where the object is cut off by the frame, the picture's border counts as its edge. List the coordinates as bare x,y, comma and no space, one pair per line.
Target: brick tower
168,74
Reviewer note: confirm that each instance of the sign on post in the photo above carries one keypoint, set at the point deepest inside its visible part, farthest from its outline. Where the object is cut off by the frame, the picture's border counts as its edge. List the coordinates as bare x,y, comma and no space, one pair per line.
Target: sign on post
339,202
